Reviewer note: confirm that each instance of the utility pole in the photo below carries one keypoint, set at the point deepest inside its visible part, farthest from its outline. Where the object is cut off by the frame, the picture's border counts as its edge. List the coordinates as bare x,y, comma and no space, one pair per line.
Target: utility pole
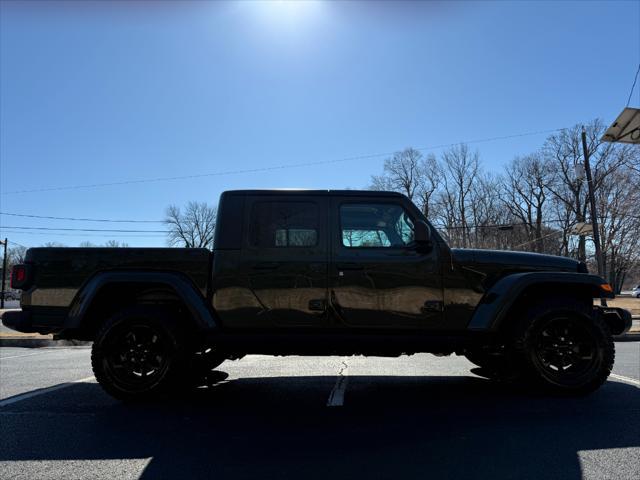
4,272
592,202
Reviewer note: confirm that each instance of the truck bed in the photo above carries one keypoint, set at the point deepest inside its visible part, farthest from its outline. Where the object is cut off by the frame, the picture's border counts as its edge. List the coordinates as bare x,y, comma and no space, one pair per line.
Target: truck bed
60,272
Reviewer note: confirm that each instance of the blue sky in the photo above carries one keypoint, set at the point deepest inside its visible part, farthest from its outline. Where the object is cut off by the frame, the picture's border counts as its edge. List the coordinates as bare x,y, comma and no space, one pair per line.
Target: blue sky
105,93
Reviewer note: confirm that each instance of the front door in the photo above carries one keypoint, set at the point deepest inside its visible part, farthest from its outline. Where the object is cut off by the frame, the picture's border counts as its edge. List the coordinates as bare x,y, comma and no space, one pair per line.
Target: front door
378,277
285,259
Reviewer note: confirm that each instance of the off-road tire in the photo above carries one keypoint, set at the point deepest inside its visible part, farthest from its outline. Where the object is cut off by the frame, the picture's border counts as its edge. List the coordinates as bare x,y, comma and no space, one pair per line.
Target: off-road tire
110,347
591,356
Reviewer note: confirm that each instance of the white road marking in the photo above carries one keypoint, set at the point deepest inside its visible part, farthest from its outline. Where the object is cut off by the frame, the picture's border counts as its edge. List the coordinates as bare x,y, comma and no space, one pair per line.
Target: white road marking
624,379
42,391
336,397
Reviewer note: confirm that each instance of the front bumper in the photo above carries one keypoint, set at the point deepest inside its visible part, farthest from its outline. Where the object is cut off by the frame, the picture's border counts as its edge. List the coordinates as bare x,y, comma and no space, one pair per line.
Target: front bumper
618,319
19,320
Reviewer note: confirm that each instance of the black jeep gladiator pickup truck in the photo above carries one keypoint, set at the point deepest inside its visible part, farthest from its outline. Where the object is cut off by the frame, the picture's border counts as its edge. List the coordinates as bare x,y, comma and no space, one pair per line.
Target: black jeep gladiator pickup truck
319,273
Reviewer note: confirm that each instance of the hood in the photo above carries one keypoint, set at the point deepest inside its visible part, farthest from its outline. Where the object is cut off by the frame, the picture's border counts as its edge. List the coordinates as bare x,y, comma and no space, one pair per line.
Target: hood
493,261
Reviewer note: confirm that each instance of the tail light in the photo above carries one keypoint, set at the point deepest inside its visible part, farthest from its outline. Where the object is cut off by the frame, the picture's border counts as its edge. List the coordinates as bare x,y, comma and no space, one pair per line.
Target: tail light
20,276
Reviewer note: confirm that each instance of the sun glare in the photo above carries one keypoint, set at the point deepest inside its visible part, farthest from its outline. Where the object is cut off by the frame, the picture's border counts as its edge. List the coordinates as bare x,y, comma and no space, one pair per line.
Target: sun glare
288,14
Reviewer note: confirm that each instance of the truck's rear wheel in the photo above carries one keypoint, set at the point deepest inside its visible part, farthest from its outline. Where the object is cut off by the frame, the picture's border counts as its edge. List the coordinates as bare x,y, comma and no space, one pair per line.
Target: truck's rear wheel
566,350
138,354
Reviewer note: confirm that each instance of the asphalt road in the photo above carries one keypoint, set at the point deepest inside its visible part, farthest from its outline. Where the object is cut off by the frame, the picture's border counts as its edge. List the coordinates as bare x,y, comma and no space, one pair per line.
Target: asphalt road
311,417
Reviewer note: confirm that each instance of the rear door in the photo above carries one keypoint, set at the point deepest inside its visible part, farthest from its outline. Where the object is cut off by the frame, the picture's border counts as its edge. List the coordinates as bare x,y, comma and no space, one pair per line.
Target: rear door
285,259
378,278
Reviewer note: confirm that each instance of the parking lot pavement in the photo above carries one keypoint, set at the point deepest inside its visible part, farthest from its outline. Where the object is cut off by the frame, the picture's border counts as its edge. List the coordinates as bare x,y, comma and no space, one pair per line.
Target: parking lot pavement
24,370
315,417
627,360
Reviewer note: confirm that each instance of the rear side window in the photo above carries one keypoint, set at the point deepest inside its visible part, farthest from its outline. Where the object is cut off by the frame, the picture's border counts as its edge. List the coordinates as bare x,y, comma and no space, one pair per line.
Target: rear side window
375,225
283,224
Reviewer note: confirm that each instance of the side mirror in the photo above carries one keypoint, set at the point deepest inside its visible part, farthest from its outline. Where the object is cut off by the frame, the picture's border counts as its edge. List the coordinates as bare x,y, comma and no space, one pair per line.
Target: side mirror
422,233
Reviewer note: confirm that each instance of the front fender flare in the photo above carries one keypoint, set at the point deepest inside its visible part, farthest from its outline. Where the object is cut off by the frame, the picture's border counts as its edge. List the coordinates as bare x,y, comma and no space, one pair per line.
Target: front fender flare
503,294
192,298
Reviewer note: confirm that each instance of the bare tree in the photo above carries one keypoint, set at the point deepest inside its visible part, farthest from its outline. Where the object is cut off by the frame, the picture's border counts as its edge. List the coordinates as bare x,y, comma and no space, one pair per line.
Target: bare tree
541,197
412,174
631,157
115,244
564,218
192,228
486,212
617,199
429,182
107,244
564,153
15,255
524,194
401,173
461,168
382,183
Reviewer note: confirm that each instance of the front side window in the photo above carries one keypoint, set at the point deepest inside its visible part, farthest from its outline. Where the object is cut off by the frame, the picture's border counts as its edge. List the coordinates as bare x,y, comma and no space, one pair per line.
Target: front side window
381,225
283,224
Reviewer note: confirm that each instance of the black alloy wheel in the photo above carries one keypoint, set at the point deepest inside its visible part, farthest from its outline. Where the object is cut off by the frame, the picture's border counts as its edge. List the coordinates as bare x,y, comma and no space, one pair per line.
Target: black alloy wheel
566,349
136,354
139,353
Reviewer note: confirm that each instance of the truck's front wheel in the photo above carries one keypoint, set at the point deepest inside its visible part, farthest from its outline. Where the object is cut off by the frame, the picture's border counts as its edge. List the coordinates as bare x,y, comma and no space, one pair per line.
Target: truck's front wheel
138,353
566,350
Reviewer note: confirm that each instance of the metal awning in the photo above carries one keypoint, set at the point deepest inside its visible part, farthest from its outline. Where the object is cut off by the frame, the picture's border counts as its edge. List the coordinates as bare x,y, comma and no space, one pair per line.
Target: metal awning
626,128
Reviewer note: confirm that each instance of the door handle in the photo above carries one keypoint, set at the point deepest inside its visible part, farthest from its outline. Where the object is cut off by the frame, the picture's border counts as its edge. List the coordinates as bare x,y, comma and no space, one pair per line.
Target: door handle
266,266
317,305
349,266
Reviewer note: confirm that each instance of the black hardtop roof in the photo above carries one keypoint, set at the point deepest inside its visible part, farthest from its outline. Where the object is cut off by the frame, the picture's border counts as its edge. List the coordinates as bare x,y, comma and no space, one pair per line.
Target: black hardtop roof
297,191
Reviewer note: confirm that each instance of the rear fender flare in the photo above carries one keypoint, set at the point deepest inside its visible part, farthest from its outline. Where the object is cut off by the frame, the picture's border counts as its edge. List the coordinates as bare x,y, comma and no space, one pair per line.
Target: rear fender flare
184,289
496,302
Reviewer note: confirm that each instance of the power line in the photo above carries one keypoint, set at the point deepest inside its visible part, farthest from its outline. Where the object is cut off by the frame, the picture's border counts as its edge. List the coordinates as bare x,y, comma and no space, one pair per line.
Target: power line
79,219
125,235
86,229
557,232
273,167
635,79
18,244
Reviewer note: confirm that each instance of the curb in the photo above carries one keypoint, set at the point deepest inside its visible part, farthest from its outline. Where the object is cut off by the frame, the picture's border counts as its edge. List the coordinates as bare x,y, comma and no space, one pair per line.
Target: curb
629,337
